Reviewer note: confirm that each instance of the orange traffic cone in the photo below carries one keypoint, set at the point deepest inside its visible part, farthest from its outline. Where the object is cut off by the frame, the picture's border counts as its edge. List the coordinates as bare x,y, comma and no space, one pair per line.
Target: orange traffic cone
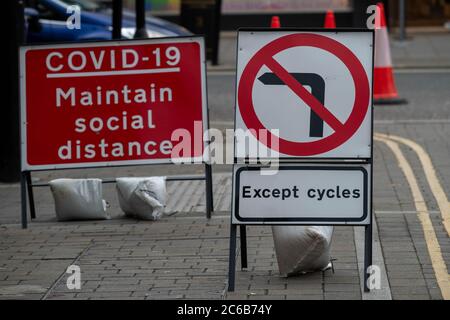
384,89
275,23
330,22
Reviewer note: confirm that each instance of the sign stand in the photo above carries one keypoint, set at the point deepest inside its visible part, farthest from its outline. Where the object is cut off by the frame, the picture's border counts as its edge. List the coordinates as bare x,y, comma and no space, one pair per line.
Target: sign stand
26,186
232,257
113,103
23,198
307,75
368,255
243,239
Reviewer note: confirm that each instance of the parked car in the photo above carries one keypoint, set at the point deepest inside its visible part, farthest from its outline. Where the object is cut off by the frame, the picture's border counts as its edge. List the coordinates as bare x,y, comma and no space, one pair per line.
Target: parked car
46,21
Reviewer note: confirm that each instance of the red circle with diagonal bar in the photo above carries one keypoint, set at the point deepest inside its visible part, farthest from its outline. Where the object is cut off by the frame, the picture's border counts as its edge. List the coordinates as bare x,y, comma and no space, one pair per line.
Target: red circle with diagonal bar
342,131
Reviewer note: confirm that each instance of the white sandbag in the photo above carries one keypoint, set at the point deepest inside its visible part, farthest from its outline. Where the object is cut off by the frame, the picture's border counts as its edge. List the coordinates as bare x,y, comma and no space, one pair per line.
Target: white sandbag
142,198
78,199
302,249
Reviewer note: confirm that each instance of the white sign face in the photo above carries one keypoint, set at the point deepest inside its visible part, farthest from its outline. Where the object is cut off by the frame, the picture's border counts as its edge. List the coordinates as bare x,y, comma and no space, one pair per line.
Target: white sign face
302,194
314,87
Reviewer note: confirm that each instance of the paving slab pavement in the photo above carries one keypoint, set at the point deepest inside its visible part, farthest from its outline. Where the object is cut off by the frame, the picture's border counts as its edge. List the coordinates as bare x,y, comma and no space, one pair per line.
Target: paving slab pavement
185,256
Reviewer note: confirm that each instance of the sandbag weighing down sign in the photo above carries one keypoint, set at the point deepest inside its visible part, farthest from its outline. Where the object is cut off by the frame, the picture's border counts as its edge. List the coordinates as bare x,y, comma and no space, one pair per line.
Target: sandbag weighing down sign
312,86
112,103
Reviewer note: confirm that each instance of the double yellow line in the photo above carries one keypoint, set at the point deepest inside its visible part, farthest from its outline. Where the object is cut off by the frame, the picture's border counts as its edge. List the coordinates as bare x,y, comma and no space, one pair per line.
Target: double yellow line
434,249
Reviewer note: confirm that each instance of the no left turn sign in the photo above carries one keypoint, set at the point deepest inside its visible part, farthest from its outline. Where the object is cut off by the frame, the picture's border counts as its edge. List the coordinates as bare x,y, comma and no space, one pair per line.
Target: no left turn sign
313,87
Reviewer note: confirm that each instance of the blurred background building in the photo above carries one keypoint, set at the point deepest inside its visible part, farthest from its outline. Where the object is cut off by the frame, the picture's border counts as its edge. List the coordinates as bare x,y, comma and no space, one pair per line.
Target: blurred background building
303,13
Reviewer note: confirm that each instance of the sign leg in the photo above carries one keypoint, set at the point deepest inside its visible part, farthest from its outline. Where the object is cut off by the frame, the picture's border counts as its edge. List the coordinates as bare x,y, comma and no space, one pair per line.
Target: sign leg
367,255
30,195
243,237
23,197
209,191
232,258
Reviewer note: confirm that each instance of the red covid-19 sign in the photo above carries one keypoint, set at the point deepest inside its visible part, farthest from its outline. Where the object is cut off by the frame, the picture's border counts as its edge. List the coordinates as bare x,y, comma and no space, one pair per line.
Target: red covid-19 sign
112,103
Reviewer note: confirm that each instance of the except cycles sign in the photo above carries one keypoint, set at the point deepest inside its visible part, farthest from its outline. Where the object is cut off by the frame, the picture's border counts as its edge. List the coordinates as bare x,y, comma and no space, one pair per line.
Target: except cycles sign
302,194
314,87
94,104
